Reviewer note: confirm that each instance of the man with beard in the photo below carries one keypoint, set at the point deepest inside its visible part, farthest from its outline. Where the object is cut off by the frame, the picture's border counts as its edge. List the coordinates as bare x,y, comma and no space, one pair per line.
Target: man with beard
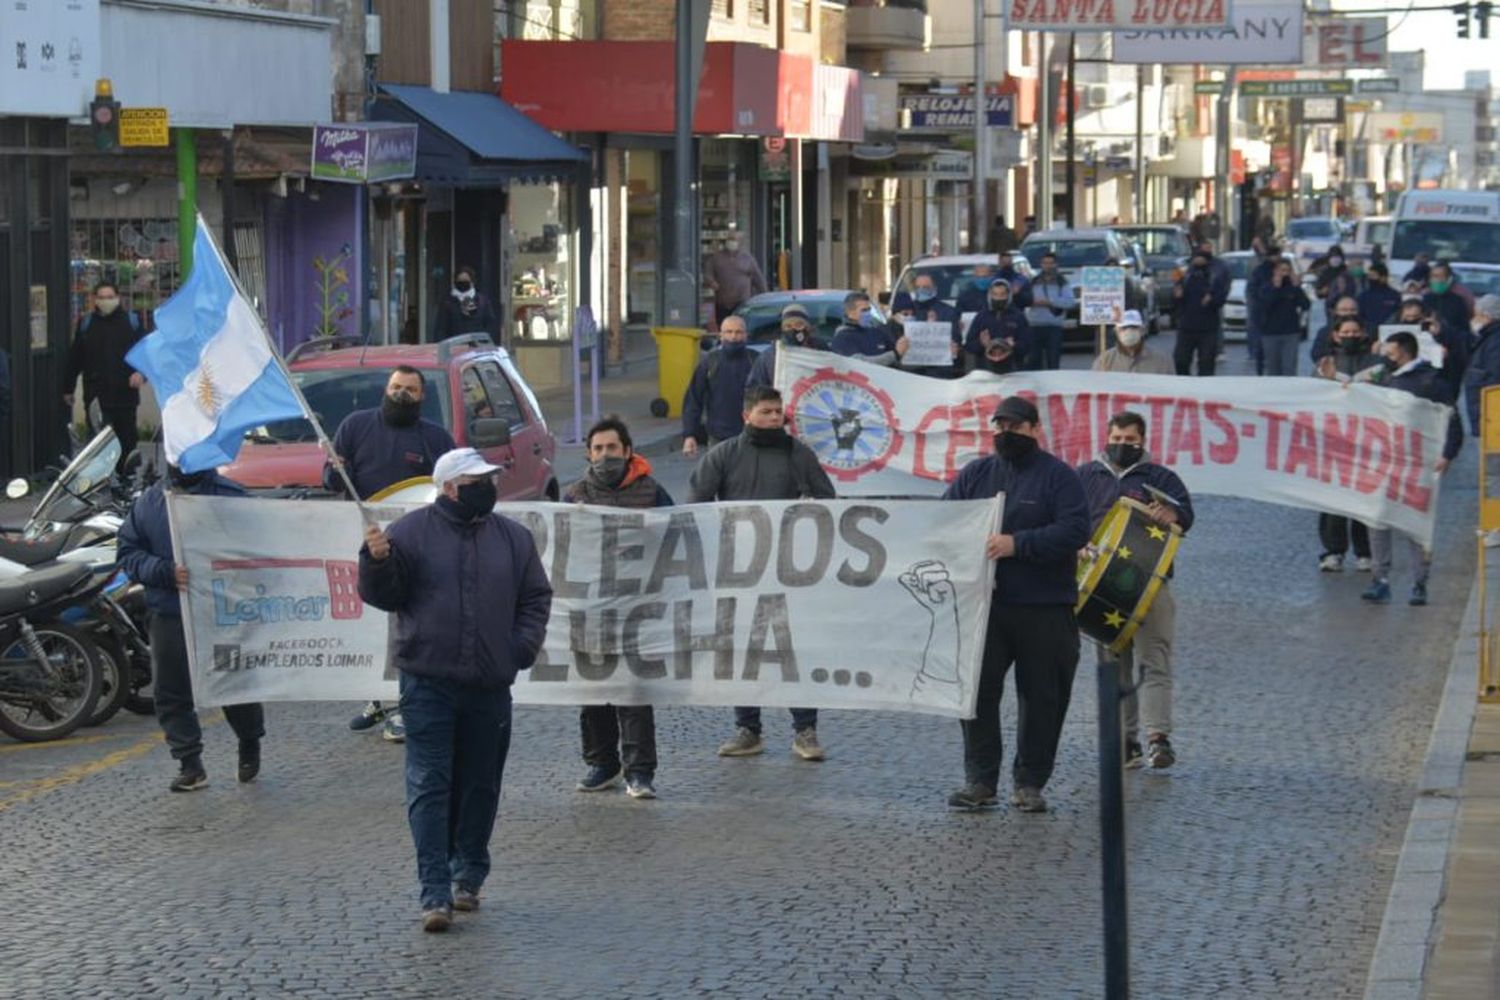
378,448
1031,623
796,331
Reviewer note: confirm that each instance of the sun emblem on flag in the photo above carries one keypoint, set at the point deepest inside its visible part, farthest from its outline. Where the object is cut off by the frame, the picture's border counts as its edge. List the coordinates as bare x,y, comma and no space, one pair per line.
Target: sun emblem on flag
206,392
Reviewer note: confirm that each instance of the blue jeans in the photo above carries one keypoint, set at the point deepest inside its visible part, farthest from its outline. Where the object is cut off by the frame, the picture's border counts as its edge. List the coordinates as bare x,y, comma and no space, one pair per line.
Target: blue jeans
1046,349
457,738
749,717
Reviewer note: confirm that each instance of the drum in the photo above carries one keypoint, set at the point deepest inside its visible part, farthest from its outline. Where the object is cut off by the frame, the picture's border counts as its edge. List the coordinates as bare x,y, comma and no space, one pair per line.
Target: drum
1132,555
417,489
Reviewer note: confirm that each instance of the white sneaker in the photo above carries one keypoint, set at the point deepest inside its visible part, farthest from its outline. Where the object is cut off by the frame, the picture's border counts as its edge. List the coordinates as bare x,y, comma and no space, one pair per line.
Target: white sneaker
1364,565
1492,539
1331,563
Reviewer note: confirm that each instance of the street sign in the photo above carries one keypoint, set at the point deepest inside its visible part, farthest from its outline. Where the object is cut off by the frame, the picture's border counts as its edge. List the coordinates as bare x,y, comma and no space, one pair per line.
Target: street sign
1103,295
143,127
1296,88
1379,85
955,112
1208,88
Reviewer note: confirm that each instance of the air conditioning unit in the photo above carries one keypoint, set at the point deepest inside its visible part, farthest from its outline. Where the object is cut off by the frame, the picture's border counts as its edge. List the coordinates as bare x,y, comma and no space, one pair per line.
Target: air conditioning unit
1166,147
1096,96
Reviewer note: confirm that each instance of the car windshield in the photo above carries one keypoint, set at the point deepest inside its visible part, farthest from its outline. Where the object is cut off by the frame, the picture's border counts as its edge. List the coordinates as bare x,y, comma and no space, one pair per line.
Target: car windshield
334,393
1070,253
1475,242
1480,282
1378,232
1160,242
1312,229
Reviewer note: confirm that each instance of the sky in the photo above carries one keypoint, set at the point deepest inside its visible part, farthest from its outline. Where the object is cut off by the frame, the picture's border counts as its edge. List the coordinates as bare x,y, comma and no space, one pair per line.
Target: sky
1448,56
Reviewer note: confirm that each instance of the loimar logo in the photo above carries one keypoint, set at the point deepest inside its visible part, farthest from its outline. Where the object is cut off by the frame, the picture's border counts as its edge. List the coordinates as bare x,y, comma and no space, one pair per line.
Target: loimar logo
282,595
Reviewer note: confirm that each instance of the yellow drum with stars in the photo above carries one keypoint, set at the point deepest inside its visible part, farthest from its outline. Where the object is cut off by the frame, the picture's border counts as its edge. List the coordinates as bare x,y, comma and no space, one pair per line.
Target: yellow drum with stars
1131,555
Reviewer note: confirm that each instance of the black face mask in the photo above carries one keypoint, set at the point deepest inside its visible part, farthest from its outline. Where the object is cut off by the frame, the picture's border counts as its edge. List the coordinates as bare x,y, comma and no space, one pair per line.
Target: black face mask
463,284
608,471
1123,456
187,481
768,437
1014,446
1354,345
796,338
400,411
478,499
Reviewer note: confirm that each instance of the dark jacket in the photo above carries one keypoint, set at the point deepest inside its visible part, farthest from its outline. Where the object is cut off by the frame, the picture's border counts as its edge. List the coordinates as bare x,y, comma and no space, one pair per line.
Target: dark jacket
1192,314
98,354
1345,362
377,455
714,404
1377,304
470,597
740,470
638,489
1104,484
975,296
874,343
1483,370
1427,382
1281,309
935,311
1418,273
1020,287
1004,324
1046,513
453,317
763,372
145,542
1336,283
1258,284
1450,308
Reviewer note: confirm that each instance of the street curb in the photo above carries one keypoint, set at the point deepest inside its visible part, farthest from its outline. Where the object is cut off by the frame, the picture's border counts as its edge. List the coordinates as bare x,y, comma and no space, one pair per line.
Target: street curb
1408,930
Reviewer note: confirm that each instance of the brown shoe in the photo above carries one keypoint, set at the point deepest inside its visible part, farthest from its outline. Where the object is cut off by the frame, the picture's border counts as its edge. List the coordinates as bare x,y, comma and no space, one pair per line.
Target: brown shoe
1028,800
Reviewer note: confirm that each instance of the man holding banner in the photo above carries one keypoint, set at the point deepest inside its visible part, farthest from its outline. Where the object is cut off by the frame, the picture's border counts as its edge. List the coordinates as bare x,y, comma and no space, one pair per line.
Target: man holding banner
471,602
1031,624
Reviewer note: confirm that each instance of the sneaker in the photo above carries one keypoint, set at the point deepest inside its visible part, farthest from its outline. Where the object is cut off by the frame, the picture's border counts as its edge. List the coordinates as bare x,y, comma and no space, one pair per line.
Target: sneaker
1331,563
1492,538
1160,754
1133,757
599,778
638,786
465,900
249,762
1418,595
744,743
805,744
394,730
1364,564
437,919
1028,799
189,779
373,713
1379,593
973,797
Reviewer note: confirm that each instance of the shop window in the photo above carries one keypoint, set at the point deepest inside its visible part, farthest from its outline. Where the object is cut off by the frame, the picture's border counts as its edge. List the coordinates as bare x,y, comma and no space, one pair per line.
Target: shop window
541,265
140,255
643,229
799,14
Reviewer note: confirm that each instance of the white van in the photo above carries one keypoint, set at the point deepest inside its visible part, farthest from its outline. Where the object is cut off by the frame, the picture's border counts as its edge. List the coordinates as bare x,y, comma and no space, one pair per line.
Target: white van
1445,225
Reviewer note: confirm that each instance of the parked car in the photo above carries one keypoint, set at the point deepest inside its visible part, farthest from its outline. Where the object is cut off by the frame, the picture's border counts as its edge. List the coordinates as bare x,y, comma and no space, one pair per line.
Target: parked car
950,274
1311,237
1240,263
1167,251
762,315
1079,248
472,388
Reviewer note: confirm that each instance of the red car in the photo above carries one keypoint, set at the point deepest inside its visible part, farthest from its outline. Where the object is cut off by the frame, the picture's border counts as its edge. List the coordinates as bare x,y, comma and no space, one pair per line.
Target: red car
472,388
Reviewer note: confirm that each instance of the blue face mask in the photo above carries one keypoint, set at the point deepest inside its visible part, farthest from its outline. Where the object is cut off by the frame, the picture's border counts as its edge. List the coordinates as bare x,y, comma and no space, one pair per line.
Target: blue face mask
924,294
867,319
983,283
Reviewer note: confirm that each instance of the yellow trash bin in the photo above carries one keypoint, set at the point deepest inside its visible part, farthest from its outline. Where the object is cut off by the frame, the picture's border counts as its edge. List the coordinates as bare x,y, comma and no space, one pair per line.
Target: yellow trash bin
677,352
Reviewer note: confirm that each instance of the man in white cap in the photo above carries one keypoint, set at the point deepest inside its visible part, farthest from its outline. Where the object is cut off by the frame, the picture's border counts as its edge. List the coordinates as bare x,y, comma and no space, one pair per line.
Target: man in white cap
1130,353
471,602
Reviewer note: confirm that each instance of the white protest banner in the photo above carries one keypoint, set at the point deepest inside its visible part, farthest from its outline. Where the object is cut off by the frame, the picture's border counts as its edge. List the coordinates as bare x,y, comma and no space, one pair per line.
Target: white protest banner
1359,450
1258,34
1428,349
824,604
930,345
1101,295
1114,15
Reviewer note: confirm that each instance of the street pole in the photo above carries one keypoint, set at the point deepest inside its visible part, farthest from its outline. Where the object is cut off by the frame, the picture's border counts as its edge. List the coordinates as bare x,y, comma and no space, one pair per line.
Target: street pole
1221,163
682,277
187,200
231,253
1112,831
1139,194
980,226
1045,117
1072,124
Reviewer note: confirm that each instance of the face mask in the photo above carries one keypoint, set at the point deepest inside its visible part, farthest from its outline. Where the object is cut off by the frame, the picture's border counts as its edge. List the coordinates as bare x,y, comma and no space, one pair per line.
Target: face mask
1014,446
867,319
768,437
477,499
1128,337
1123,456
735,348
400,410
983,283
1389,363
998,302
463,285
1335,262
795,337
1440,286
608,471
106,306
924,294
1352,345
1199,265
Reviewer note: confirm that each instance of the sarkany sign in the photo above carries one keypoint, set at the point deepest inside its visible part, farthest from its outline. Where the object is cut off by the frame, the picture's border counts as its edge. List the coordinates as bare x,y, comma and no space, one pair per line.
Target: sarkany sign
1359,450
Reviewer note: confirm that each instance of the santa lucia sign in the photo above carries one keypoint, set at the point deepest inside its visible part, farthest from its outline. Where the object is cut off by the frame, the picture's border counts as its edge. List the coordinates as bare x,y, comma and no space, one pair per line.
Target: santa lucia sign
1115,15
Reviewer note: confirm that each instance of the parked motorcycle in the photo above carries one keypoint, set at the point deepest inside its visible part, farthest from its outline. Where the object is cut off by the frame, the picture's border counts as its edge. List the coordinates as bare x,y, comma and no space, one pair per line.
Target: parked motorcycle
50,675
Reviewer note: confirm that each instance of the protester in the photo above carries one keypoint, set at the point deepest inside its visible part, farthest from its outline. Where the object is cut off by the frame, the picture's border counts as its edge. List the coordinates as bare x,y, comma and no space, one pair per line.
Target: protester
1001,238
377,448
1322,344
1334,279
1020,286
972,297
734,275
1347,351
1031,624
1131,353
1256,284
1379,301
1484,364
617,477
865,337
1419,271
471,602
999,338
1282,303
104,336
1126,470
1403,370
465,310
763,463
146,556
796,331
925,307
1200,295
711,405
1051,298
1443,300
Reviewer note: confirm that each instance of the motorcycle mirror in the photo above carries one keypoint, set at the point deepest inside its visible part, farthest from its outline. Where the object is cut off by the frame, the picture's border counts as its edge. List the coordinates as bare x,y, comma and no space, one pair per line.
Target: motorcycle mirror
17,488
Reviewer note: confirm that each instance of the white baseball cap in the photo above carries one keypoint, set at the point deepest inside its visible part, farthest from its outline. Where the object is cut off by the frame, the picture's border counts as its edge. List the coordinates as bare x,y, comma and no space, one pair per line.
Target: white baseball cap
460,462
1131,318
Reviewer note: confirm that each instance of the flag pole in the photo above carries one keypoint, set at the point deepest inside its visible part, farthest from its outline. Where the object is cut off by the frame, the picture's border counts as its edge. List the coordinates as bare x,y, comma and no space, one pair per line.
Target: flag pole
307,411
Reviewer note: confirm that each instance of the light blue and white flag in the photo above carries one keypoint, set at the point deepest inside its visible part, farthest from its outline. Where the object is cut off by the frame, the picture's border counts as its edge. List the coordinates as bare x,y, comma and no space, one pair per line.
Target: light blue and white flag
212,366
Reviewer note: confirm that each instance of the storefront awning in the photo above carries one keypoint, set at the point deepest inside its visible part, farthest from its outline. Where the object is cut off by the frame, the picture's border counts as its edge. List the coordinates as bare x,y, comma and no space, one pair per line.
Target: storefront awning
471,140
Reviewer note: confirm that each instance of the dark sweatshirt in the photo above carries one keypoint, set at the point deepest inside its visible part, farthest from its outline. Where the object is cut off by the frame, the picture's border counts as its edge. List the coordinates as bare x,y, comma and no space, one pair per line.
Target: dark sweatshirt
377,455
739,469
145,543
98,354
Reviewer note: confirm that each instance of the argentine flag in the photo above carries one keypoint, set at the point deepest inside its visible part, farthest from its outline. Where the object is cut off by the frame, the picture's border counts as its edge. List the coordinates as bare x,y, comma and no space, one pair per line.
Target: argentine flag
211,365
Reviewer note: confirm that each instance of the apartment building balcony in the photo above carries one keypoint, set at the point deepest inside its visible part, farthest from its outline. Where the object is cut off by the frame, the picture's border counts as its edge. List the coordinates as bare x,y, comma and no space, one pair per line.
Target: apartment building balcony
887,25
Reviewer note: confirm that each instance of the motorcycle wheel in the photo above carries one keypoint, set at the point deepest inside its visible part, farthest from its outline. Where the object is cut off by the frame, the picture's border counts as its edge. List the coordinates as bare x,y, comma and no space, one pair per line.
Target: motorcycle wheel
71,652
114,686
140,699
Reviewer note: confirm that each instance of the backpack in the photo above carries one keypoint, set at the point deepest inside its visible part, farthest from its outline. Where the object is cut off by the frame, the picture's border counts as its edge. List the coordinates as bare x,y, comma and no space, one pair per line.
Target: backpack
88,320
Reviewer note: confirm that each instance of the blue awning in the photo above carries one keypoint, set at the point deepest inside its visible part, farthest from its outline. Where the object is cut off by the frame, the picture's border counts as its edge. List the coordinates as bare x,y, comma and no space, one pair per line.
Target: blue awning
474,139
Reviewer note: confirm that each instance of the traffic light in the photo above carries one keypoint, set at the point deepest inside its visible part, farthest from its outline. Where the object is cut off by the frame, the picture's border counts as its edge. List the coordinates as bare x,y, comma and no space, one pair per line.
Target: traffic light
1461,11
104,117
1482,14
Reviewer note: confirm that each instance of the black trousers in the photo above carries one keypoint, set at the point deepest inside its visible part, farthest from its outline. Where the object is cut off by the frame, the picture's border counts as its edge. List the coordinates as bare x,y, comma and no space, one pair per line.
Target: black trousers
122,419
1042,642
174,696
613,732
1337,532
1204,343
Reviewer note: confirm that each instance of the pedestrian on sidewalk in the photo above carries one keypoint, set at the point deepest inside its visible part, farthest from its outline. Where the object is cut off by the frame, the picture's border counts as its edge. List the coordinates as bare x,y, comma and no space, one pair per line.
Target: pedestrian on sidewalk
1348,350
1131,353
104,336
617,477
763,463
1282,305
145,543
471,602
1145,664
796,331
711,405
734,276
1405,371
377,448
1031,623
465,310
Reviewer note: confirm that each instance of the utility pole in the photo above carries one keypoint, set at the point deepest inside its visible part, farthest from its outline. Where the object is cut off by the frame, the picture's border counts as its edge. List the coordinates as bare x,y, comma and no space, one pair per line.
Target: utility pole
1225,133
980,226
682,273
1072,124
1139,194
1045,118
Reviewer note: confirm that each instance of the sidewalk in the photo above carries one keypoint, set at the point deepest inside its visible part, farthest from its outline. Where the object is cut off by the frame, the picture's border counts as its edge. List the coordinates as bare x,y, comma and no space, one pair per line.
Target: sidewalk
627,392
